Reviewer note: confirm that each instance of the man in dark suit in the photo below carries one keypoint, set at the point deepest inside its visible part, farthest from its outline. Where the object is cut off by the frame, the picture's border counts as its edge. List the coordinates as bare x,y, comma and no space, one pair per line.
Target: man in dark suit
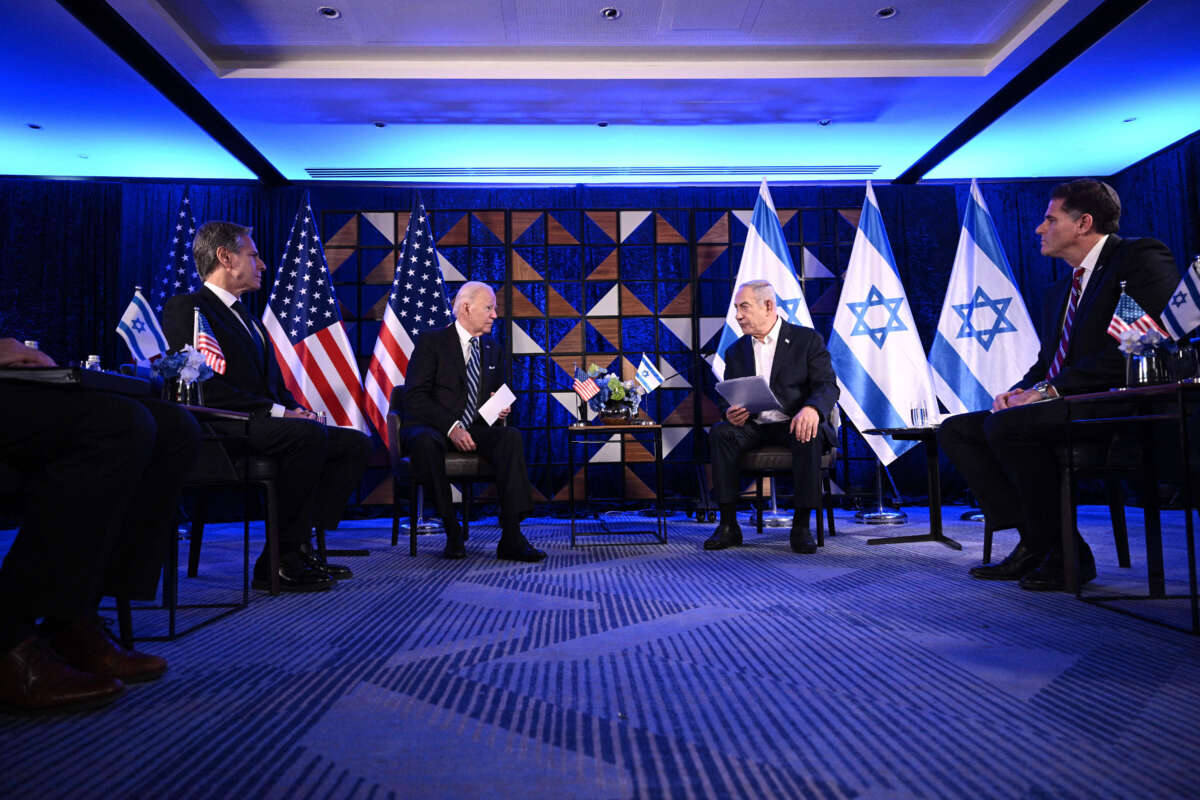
452,372
1007,454
100,477
319,466
800,373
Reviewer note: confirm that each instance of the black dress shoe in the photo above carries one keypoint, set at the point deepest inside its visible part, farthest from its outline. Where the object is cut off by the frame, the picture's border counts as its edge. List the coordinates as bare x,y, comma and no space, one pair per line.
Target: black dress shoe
517,548
803,542
295,575
727,534
455,549
1049,577
337,571
1020,562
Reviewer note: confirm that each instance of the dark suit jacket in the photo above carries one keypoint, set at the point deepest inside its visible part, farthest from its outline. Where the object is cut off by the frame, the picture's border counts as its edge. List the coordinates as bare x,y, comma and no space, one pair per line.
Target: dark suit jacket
1093,361
250,383
435,392
801,374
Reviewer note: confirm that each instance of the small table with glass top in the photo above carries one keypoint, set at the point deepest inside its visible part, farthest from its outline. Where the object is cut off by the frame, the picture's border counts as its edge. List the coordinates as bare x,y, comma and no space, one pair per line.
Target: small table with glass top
928,435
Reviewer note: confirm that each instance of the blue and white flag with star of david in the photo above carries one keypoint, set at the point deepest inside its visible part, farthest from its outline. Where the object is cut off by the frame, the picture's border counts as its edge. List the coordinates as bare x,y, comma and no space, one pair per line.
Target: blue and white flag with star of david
985,340
877,354
765,258
140,329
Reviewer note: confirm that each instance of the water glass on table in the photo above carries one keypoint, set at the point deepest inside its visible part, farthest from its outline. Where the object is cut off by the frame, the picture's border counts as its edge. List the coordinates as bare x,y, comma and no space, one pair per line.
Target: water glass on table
918,417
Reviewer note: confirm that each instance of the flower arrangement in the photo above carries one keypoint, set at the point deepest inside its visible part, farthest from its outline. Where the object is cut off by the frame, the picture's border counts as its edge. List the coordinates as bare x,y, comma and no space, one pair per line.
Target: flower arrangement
1136,343
185,365
614,396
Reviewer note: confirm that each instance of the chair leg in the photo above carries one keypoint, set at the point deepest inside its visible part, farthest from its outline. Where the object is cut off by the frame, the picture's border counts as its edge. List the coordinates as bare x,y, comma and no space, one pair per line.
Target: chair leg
195,537
466,522
271,526
758,505
125,622
414,511
828,492
818,512
1116,510
395,511
987,541
322,554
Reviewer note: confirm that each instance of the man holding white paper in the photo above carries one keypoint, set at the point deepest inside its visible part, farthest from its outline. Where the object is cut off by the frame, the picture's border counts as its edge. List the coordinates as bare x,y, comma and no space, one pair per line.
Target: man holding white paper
451,376
799,372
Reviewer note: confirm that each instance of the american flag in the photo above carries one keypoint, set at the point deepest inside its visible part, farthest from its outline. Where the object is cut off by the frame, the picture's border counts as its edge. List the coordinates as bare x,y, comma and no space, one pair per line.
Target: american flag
416,303
586,388
206,343
1130,315
177,275
306,329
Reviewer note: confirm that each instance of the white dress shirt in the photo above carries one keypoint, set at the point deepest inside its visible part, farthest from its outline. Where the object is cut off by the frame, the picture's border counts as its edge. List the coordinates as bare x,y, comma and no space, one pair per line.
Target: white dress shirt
764,359
229,298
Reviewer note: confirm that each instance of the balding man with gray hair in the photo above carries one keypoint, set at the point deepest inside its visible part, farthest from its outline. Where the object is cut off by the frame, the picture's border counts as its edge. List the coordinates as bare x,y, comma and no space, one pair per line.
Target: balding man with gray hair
452,372
799,371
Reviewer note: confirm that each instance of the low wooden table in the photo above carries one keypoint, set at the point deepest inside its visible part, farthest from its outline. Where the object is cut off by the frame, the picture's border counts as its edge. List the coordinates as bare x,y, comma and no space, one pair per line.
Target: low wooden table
578,435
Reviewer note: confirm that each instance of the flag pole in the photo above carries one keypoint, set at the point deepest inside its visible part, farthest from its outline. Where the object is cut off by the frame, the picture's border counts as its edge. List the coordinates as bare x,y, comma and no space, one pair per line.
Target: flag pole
881,515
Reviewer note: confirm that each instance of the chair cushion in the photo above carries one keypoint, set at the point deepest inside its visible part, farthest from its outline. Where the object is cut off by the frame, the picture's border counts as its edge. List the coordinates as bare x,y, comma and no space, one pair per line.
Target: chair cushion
773,458
467,465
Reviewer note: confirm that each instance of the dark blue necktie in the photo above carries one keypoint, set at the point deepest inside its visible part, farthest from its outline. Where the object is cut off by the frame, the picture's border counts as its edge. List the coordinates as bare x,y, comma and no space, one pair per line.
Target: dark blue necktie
250,326
472,383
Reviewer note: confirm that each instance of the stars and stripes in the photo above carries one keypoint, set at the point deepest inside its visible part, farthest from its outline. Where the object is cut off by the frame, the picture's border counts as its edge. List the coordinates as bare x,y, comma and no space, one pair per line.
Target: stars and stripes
306,329
586,388
1131,316
416,303
177,275
207,344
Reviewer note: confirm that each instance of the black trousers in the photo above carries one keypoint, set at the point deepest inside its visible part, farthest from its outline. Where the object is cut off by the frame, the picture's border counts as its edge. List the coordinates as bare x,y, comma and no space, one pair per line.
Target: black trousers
500,446
319,467
727,443
102,475
1010,464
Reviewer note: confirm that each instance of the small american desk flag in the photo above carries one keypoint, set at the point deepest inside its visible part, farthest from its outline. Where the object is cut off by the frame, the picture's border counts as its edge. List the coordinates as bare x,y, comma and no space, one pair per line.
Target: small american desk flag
1129,315
206,342
586,388
306,329
416,303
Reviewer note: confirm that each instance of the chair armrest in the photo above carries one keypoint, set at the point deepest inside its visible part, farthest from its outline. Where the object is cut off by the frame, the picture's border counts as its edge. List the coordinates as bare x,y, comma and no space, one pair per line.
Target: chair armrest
395,446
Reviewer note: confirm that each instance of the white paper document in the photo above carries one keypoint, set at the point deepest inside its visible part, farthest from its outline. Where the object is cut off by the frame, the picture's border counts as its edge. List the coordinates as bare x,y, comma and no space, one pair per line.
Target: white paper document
752,392
502,399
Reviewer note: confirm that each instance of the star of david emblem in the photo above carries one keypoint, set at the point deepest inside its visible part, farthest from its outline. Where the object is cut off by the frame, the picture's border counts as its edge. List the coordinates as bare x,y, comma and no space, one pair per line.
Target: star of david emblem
139,325
984,335
875,299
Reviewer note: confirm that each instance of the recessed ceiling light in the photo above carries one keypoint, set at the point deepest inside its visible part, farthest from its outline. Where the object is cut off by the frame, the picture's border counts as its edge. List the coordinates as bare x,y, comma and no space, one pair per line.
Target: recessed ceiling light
83,155
329,12
33,125
610,13
601,124
887,12
1129,119
379,124
824,122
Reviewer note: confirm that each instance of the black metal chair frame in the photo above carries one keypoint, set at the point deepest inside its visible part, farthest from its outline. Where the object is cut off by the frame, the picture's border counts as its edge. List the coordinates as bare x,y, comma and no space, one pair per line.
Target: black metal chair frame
780,461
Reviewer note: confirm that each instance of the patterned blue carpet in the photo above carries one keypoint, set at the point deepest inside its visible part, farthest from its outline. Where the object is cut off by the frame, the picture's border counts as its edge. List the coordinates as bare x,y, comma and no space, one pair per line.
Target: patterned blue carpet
641,670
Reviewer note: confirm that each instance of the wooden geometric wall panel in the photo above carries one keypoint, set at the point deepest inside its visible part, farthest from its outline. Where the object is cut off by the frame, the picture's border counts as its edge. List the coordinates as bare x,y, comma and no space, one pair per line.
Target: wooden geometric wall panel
681,305
556,233
493,221
631,306
719,232
606,270
557,306
385,271
605,221
665,232
521,271
458,235
571,343
346,236
706,254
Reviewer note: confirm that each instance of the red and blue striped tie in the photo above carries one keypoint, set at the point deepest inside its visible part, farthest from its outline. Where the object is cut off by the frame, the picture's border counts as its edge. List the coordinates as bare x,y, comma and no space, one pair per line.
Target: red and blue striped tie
1060,355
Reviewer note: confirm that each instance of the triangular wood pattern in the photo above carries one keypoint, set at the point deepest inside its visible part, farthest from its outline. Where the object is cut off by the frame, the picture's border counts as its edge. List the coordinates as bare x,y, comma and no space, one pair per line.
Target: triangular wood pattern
384,271
347,235
606,270
632,306
523,306
636,452
785,216
378,309
563,494
636,488
571,343
665,232
556,233
719,232
681,305
458,235
684,413
628,369
557,305
851,215
521,271
522,220
706,254
709,413
605,221
610,329
493,221
336,257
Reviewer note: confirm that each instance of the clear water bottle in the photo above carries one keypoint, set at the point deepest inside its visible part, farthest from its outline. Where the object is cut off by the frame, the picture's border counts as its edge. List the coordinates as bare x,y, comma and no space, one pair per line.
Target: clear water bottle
31,344
93,363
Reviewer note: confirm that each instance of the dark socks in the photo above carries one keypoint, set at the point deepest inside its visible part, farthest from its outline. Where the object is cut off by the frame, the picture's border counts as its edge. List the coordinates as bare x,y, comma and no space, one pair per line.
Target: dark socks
800,518
728,513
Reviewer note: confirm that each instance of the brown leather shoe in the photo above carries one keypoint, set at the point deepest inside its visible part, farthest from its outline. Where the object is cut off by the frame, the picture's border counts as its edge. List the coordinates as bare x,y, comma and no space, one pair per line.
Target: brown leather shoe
35,680
88,645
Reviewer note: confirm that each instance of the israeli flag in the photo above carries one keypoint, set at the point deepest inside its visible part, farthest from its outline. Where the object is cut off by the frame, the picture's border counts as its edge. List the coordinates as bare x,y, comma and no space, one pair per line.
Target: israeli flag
880,363
1182,314
140,329
985,339
765,257
648,375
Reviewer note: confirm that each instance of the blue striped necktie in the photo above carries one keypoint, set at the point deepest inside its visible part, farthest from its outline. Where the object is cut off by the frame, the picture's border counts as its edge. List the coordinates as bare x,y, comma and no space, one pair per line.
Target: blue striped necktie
472,383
